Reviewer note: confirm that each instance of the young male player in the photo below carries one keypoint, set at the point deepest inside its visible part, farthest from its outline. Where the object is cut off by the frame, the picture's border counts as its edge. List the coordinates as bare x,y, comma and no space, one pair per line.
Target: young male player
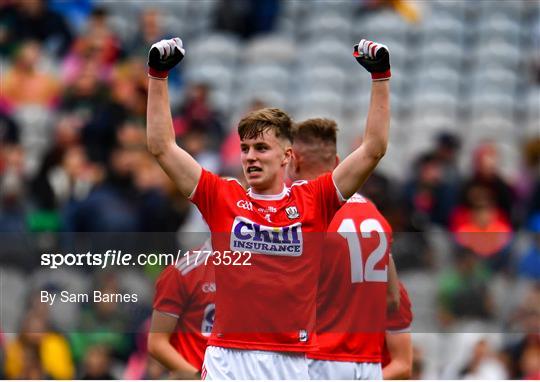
183,314
352,295
265,303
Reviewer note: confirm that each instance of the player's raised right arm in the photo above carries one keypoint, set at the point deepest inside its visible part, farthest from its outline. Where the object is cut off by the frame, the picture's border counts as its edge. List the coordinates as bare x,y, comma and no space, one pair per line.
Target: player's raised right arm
176,162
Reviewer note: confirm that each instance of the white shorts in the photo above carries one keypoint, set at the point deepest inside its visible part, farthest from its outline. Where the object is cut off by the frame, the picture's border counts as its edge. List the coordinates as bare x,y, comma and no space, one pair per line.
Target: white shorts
319,369
224,363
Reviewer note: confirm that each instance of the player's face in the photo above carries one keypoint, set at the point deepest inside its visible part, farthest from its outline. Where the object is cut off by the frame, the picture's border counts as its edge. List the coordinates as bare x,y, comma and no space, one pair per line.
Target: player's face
263,161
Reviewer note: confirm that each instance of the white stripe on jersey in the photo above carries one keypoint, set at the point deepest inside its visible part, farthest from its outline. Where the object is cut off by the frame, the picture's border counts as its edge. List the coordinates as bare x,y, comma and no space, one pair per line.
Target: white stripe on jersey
188,263
398,331
168,314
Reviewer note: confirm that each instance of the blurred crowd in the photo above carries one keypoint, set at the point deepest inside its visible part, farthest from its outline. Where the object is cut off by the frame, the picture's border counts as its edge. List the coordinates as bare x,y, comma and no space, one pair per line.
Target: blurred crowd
73,158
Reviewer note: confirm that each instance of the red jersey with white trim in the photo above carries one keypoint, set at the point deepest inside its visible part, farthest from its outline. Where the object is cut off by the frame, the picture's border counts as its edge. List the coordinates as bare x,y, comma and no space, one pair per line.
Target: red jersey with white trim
398,321
187,290
351,302
266,300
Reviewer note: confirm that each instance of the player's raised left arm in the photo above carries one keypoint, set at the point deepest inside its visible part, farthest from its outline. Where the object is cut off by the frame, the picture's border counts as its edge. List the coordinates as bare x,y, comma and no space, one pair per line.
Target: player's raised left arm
350,174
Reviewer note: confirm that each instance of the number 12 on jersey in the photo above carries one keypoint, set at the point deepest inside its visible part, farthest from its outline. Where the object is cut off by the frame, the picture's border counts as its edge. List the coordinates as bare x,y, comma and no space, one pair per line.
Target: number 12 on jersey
348,230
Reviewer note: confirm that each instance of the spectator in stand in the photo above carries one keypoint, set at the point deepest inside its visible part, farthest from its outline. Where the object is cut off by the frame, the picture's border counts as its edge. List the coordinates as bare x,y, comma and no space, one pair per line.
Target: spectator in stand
197,144
13,203
482,227
534,58
487,174
35,21
427,196
103,324
150,31
524,354
97,45
86,94
45,185
9,132
463,290
110,205
75,12
131,194
485,363
378,189
97,363
247,17
127,102
197,114
8,39
446,152
534,202
410,248
25,83
159,210
529,263
528,182
38,352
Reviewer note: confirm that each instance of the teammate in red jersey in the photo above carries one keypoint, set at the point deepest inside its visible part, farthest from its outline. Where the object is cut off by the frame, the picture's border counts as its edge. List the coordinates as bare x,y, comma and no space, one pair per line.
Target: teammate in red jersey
352,296
265,302
397,351
183,313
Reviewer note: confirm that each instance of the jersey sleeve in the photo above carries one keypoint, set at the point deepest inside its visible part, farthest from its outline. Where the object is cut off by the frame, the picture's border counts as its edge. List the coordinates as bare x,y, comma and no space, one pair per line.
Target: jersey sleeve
170,296
206,194
401,319
330,198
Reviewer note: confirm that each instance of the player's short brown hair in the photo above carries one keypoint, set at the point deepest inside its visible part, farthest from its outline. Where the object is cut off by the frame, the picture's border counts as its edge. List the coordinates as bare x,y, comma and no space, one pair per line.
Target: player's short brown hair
257,122
315,139
315,130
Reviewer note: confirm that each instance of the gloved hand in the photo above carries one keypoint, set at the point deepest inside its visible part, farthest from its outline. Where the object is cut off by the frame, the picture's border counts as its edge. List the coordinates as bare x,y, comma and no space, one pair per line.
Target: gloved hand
163,56
374,57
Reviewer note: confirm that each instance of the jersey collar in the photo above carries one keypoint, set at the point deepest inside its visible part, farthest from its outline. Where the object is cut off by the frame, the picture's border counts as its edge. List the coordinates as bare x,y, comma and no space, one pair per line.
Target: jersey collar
279,196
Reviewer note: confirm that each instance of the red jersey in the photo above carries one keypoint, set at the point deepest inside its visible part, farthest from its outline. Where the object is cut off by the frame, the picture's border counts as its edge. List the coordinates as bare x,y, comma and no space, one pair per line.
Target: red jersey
186,290
266,300
398,321
351,302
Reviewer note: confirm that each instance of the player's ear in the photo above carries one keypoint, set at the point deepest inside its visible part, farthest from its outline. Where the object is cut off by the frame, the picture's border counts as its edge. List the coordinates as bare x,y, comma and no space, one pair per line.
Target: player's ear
287,156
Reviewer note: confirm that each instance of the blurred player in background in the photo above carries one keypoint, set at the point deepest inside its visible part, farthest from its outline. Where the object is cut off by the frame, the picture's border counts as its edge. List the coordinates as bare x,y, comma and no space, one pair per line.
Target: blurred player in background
183,314
397,351
352,295
265,313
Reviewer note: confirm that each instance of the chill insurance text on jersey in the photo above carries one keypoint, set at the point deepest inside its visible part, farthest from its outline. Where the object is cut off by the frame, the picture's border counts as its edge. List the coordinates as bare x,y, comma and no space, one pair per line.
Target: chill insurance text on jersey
269,305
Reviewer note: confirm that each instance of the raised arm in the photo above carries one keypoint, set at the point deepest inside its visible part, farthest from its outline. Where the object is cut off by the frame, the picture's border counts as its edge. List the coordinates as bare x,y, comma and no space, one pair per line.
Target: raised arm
350,174
176,162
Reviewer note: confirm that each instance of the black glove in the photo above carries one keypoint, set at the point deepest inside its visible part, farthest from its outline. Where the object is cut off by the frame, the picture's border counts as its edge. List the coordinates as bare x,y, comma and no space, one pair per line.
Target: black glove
374,57
163,56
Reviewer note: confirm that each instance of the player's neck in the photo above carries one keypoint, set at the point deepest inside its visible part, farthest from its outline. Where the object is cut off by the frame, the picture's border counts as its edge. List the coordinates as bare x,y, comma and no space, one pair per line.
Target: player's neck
275,189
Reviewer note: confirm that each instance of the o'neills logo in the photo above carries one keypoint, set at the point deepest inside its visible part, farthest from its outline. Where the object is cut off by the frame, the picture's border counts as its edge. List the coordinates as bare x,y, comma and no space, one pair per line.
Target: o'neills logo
280,241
